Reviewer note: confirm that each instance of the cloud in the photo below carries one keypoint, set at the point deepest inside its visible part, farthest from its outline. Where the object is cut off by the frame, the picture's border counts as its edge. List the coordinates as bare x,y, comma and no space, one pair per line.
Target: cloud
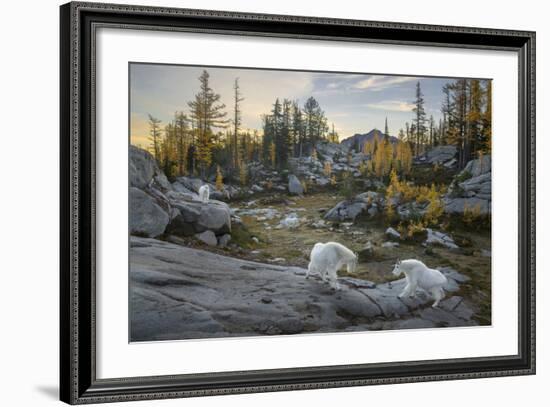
392,105
379,83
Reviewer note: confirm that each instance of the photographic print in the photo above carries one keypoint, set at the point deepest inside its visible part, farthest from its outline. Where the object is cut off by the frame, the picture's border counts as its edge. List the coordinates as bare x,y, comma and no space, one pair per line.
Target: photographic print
274,202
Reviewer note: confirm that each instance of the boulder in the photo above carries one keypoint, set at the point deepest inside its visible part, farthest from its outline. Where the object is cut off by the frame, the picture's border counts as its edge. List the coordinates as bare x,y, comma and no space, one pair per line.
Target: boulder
144,171
179,187
190,211
368,196
457,205
345,210
190,183
141,167
207,237
393,234
331,150
147,218
441,154
215,216
471,188
436,238
194,216
322,181
480,183
478,166
294,185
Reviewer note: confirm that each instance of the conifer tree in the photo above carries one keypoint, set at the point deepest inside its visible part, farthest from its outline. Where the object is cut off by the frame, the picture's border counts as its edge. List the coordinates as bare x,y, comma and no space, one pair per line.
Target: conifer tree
474,140
419,117
298,130
219,179
207,113
181,130
237,120
272,154
333,135
154,136
431,131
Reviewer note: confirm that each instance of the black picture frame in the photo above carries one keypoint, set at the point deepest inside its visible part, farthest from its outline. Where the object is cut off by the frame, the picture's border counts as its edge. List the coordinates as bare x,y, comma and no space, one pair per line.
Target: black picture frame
78,382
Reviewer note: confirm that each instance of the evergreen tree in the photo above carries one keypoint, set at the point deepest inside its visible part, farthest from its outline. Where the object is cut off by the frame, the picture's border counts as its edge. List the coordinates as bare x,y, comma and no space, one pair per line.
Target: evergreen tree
474,117
315,122
154,136
284,145
420,118
431,131
333,135
298,130
168,150
207,113
237,120
267,140
181,130
219,179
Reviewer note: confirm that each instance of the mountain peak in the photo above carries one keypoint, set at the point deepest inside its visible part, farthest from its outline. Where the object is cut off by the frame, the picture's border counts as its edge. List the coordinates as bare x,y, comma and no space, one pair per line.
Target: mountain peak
358,140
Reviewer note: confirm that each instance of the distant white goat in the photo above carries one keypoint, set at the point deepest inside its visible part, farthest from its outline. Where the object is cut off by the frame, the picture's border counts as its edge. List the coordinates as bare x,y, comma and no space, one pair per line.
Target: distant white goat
417,274
327,258
204,193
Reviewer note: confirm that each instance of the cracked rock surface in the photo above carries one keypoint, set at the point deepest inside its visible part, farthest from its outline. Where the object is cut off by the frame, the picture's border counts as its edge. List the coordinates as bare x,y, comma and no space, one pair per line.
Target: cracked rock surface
178,292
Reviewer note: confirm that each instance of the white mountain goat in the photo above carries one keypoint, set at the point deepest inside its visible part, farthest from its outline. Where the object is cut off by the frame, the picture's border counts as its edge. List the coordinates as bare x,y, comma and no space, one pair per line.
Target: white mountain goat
204,193
417,274
327,258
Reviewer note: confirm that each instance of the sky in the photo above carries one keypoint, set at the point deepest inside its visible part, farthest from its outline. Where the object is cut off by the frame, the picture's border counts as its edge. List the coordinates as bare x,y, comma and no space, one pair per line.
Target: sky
355,103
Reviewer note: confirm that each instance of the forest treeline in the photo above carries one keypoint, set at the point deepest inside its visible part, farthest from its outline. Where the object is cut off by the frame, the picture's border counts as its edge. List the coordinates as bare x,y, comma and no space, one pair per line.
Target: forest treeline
466,121
209,137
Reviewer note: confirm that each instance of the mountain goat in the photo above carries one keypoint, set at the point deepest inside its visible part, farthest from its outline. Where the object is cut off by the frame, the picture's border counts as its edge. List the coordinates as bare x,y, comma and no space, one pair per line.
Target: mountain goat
417,274
327,258
204,193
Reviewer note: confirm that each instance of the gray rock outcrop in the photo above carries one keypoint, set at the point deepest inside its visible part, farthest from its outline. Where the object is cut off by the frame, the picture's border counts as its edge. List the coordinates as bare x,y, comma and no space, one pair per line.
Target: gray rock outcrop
178,292
207,237
346,210
367,202
158,207
441,154
471,189
294,185
435,238
147,217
